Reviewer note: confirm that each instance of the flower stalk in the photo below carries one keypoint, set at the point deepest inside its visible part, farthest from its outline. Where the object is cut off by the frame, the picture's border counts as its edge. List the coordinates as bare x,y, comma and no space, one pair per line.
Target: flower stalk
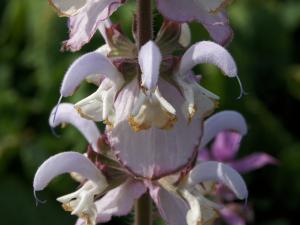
144,22
143,210
143,206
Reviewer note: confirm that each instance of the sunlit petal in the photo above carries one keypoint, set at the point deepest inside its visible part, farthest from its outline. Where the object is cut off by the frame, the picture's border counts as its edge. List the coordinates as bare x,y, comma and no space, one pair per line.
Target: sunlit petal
215,171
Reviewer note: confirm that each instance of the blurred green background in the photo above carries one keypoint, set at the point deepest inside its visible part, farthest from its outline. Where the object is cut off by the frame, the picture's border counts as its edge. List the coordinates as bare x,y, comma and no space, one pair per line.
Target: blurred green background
267,51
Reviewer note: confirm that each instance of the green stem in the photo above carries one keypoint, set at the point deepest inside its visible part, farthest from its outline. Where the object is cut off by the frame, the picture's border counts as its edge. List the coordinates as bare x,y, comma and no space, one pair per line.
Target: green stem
143,210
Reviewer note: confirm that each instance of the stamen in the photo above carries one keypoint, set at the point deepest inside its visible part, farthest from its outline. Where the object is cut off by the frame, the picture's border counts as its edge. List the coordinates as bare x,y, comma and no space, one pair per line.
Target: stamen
54,117
37,200
242,90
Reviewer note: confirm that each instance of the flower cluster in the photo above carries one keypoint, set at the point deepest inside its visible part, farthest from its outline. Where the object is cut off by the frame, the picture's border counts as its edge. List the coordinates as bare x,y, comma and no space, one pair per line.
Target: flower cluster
155,112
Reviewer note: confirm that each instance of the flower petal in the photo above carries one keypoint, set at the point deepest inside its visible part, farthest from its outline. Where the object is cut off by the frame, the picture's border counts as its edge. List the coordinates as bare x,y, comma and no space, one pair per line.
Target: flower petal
154,152
253,162
231,217
66,113
171,207
84,25
119,201
226,145
88,64
216,171
66,162
218,27
208,52
210,13
68,7
225,120
149,60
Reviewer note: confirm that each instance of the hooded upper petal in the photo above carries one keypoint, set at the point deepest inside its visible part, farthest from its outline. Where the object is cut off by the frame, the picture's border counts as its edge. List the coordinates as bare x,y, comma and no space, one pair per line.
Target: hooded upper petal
88,64
216,171
84,24
149,61
66,113
154,152
211,53
119,201
225,120
210,13
66,162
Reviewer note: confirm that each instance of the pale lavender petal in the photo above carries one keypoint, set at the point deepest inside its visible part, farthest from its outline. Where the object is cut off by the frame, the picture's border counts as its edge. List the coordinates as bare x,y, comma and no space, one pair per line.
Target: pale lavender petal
178,10
211,53
84,25
149,60
231,217
216,23
66,113
119,201
68,7
222,121
88,64
172,208
253,162
226,145
154,152
218,27
216,171
66,162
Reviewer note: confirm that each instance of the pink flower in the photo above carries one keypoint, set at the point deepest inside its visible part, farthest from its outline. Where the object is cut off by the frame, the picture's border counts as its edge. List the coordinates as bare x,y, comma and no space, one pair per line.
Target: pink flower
226,144
108,189
146,116
85,17
211,13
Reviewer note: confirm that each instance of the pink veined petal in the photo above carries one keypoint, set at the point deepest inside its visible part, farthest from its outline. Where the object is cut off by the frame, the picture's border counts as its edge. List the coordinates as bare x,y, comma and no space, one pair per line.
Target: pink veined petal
253,162
88,64
119,201
231,217
66,113
84,25
225,120
226,145
149,60
66,162
208,52
68,7
171,207
216,171
154,152
185,11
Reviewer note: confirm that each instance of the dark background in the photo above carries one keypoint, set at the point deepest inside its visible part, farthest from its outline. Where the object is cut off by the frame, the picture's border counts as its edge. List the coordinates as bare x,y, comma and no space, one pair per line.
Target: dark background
267,51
